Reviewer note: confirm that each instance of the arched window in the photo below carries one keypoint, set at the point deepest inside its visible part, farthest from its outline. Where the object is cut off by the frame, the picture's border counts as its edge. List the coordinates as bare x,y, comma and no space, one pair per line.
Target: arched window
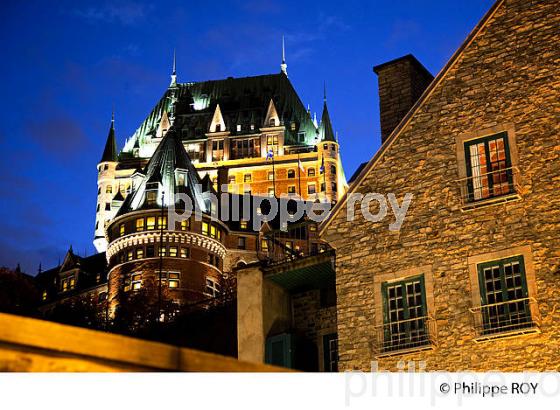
311,172
291,173
333,169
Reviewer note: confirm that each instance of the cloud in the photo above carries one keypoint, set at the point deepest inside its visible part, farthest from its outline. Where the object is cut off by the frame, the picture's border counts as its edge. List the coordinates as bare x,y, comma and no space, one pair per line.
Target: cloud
126,13
58,135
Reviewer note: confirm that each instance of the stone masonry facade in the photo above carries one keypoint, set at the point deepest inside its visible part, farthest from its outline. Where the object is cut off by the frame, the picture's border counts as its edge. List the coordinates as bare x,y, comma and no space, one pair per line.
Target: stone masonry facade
505,78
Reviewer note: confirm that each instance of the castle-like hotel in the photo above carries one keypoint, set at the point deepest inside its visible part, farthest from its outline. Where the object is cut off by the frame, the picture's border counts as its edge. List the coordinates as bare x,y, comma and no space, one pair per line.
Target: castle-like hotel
469,282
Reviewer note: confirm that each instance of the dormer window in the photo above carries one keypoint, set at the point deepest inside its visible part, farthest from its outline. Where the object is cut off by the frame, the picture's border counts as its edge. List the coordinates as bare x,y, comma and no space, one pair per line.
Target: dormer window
151,193
293,126
238,127
151,197
272,122
218,127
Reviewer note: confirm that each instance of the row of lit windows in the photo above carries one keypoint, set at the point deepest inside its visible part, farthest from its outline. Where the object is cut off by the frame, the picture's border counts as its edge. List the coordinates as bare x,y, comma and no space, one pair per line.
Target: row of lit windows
149,252
151,223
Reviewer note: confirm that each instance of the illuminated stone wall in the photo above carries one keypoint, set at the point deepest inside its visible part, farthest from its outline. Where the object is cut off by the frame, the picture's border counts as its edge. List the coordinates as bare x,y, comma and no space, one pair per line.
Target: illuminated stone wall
506,79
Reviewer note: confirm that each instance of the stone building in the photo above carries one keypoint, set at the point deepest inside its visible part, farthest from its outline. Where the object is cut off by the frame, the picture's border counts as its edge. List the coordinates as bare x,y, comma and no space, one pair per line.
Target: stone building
470,281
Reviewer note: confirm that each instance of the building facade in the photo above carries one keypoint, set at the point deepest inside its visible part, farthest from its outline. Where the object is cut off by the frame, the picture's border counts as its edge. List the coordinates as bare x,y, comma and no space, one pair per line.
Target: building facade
255,129
470,281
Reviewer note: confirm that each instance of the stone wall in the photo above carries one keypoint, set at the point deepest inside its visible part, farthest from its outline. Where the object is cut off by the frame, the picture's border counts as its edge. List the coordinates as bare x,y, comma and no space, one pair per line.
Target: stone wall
506,77
313,320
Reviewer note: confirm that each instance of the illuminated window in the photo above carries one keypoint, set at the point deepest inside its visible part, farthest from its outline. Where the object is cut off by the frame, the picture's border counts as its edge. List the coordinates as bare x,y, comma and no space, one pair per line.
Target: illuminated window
185,224
271,191
270,175
139,224
291,189
205,228
212,231
217,150
219,235
489,172
109,189
311,189
241,242
151,223
181,179
162,251
121,229
310,172
247,178
272,144
213,288
231,179
185,252
161,222
243,224
98,278
129,255
291,173
173,251
139,253
44,295
238,127
136,281
151,197
264,245
173,279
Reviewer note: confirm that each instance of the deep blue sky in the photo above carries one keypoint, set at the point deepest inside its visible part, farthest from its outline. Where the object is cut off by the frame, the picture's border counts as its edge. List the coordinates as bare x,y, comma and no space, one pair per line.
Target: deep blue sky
66,63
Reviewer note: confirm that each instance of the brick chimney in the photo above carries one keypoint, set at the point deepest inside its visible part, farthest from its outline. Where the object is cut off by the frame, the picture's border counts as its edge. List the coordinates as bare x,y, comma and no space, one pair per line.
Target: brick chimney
401,82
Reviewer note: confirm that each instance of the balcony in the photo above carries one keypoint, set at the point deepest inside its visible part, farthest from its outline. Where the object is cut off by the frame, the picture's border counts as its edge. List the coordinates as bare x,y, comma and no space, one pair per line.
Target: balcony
405,336
491,188
506,319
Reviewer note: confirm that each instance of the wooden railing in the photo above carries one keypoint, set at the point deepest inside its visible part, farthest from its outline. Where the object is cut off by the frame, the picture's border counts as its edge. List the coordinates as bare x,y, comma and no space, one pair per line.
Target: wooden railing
32,345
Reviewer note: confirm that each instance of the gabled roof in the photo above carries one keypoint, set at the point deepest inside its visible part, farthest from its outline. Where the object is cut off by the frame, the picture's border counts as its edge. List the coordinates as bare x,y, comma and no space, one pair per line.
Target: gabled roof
169,157
408,117
110,151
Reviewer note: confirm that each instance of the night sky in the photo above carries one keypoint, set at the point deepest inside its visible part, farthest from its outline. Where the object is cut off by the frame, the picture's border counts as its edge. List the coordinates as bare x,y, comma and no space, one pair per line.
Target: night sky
65,64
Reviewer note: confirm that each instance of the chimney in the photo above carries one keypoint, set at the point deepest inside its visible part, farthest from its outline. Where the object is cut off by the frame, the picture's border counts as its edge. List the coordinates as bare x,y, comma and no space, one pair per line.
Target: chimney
401,82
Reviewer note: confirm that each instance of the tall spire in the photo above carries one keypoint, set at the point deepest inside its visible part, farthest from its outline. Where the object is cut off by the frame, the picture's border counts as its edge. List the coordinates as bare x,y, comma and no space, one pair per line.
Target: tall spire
283,65
326,129
174,72
110,151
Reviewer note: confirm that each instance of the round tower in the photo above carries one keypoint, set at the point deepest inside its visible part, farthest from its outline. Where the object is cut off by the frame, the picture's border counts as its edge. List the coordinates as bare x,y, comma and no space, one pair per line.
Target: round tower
106,189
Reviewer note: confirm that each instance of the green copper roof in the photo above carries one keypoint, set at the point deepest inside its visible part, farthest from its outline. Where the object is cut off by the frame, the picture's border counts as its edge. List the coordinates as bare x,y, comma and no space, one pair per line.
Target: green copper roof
110,151
243,101
170,156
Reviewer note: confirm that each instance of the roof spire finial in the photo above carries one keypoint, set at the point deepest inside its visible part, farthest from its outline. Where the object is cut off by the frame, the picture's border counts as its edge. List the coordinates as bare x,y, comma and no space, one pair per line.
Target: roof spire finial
324,92
174,72
113,117
283,65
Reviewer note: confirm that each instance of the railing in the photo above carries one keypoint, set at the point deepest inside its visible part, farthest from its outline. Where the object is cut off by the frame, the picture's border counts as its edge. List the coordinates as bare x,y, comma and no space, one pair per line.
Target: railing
412,334
498,186
503,319
298,241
